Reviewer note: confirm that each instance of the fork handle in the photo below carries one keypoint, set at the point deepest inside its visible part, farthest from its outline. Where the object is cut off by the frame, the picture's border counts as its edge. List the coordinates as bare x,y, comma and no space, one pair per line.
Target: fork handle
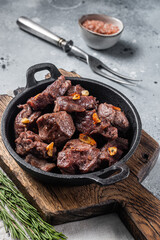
31,27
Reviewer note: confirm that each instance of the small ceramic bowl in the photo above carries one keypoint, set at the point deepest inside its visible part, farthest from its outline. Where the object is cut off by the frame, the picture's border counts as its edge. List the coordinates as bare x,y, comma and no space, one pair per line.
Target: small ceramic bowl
96,40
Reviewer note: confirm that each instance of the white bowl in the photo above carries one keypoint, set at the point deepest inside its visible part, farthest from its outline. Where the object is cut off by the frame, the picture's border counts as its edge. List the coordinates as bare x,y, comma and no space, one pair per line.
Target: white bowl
96,40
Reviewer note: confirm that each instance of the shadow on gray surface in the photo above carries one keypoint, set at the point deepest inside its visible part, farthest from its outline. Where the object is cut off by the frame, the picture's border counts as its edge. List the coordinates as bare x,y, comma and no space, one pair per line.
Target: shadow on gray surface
122,49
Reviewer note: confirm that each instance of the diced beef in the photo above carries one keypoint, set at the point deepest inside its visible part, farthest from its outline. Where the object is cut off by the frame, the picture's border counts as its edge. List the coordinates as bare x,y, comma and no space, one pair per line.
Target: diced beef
75,89
56,89
116,117
78,157
40,163
85,124
120,143
56,127
34,116
29,142
109,132
66,103
120,121
106,112
26,112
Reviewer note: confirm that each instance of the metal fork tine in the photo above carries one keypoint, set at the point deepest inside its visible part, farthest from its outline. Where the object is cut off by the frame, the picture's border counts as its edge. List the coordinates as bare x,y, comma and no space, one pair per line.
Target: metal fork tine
98,71
118,74
96,65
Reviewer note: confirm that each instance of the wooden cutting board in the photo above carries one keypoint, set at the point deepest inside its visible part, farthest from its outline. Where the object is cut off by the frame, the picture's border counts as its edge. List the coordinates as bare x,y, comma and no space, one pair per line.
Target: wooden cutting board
136,206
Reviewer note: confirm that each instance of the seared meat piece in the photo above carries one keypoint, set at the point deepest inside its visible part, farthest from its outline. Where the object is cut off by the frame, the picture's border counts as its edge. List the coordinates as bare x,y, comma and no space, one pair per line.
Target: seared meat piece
120,121
66,103
40,163
56,89
106,112
114,115
109,132
25,113
86,124
113,150
78,157
75,89
56,127
29,142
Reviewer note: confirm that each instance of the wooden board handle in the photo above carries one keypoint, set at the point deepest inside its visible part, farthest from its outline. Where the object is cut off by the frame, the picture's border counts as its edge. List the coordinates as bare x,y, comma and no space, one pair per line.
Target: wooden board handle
140,210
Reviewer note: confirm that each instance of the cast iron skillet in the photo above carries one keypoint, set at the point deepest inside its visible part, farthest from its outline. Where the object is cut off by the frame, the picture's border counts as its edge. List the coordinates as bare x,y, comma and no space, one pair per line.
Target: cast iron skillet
104,93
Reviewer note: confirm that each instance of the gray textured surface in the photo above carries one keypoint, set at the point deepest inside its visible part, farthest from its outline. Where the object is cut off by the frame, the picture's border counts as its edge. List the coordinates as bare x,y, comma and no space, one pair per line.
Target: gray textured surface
137,54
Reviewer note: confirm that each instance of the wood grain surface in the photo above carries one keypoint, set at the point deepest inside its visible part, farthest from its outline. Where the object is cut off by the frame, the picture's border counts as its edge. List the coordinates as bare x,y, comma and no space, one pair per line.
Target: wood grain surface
136,206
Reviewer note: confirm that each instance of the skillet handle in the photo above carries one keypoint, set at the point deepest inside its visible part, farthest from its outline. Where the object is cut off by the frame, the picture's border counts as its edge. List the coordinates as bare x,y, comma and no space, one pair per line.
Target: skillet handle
31,81
104,179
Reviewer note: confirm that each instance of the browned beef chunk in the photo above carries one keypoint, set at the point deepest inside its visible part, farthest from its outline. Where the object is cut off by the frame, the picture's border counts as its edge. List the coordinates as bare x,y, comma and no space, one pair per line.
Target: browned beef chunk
40,163
116,117
75,89
56,89
78,157
29,142
56,127
120,121
26,112
109,132
66,103
106,112
120,143
86,124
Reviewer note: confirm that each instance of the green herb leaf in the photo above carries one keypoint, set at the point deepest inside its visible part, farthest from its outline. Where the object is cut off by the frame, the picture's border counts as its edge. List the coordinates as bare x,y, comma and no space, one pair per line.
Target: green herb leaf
25,213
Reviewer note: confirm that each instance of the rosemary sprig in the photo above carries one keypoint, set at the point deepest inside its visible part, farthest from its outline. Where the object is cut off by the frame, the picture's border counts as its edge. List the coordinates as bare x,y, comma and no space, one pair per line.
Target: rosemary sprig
26,214
11,225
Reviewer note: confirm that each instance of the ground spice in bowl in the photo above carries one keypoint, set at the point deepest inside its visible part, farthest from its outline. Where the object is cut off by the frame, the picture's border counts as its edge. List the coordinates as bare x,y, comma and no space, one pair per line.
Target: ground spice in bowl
100,27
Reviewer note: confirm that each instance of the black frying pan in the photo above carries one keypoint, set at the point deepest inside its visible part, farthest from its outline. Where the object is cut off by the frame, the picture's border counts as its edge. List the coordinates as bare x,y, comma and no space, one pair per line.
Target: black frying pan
104,93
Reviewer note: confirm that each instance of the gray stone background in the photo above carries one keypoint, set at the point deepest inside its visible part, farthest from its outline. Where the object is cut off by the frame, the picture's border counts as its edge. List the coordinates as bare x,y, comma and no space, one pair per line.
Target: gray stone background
137,54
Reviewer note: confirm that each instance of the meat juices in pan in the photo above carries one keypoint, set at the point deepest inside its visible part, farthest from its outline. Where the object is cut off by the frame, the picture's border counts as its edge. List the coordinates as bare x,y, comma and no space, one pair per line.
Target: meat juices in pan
73,112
